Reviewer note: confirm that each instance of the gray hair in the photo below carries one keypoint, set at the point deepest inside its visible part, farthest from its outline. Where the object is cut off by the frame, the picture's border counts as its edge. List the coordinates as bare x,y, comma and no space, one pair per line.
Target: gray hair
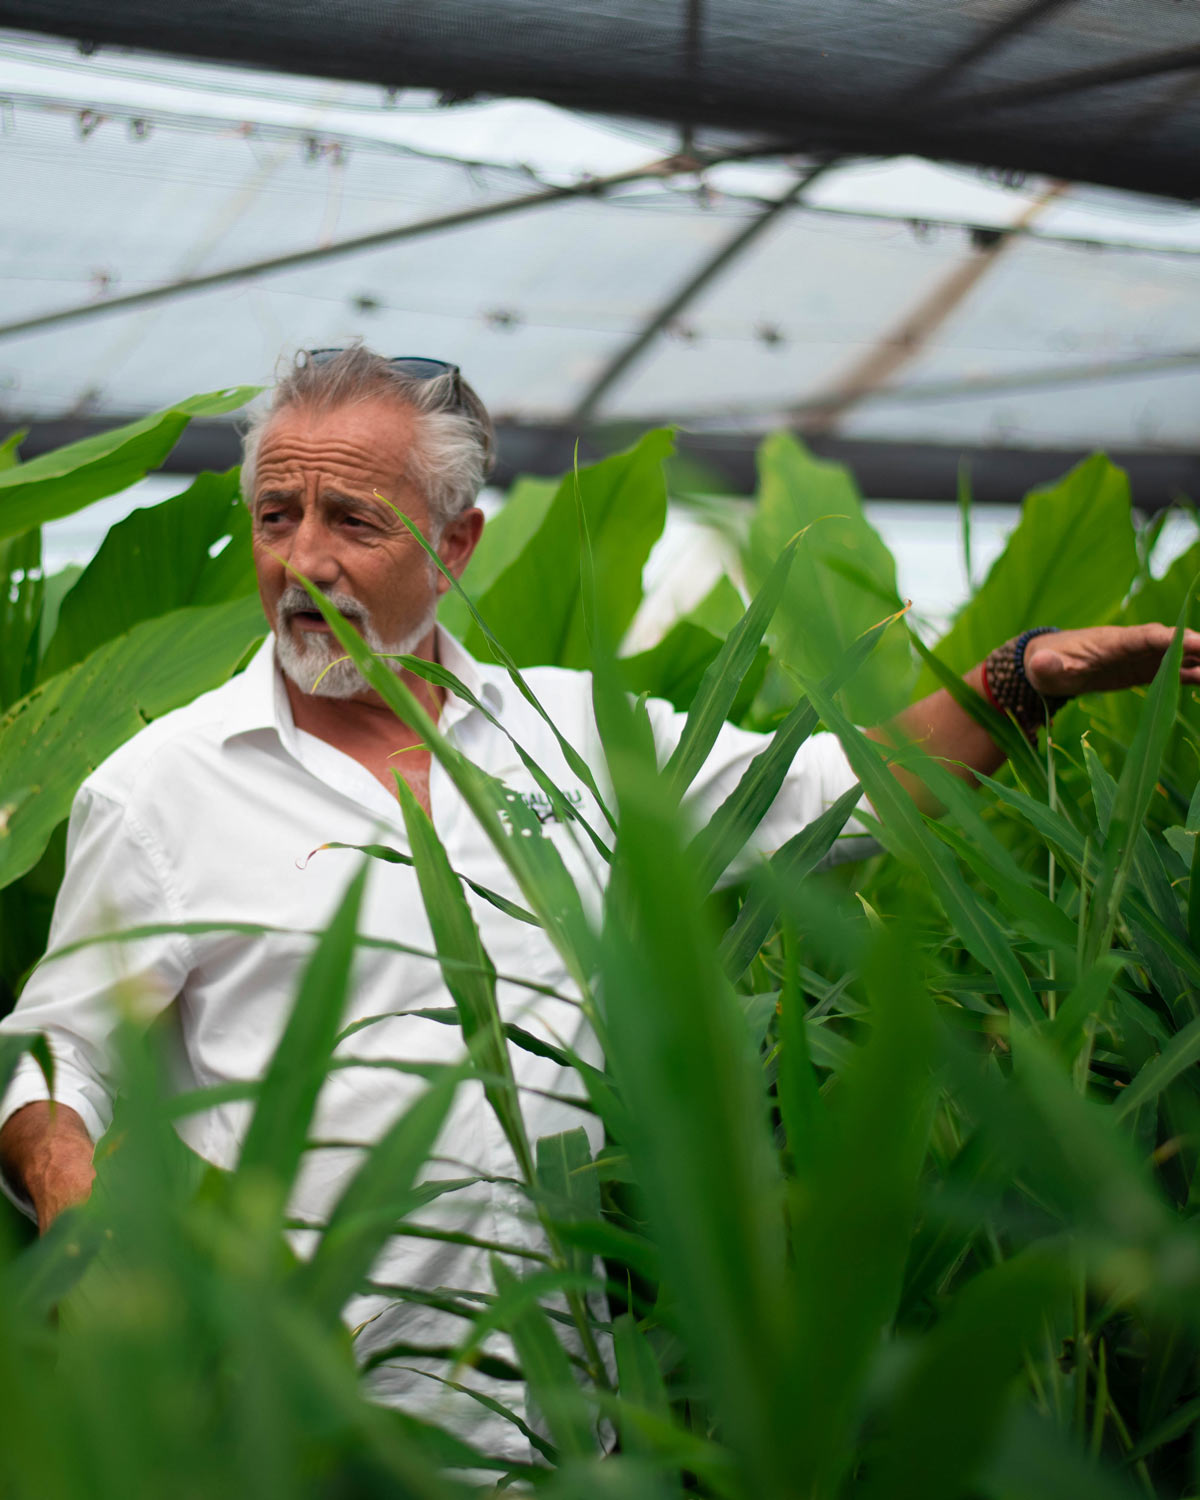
454,450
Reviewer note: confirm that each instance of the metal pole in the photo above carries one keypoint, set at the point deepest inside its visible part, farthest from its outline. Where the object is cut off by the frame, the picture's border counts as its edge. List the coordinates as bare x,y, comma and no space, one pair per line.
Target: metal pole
686,294
665,167
1027,15
1152,65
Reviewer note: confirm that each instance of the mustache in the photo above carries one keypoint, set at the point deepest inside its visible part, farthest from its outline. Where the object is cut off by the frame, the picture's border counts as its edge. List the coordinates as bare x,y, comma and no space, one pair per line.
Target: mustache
295,600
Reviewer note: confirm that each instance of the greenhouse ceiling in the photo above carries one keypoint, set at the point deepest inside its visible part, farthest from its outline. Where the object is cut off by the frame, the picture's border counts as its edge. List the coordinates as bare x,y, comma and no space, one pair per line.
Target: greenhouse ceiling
745,238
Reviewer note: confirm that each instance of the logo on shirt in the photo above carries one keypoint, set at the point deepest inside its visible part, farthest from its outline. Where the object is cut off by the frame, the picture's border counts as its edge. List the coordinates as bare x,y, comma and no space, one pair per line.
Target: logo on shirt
540,805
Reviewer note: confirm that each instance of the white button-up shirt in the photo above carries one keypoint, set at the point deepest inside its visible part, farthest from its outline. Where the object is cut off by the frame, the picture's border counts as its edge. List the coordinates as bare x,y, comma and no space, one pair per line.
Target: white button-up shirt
211,814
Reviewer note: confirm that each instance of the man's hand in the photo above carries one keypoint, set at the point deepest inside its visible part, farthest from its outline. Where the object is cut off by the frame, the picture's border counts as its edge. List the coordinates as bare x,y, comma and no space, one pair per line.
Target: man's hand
1104,658
46,1150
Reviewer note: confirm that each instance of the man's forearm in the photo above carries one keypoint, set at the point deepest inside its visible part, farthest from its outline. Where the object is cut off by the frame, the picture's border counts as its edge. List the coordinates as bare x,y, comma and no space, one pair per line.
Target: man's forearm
46,1152
939,727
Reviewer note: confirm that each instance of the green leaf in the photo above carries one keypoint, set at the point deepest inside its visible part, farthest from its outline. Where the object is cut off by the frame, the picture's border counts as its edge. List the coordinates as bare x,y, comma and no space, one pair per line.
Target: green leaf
1181,1054
287,1097
723,679
154,561
696,1130
843,578
547,1370
640,1380
56,736
569,1184
14,1046
456,936
533,861
903,830
1039,1460
22,592
564,809
674,668
60,483
1134,790
853,1214
9,448
800,1106
396,857
501,544
1069,563
381,1192
624,499
501,653
791,863
947,1415
726,832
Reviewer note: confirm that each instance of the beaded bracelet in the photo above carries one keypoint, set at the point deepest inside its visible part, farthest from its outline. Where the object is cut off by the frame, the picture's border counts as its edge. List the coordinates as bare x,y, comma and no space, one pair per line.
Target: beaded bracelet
1008,689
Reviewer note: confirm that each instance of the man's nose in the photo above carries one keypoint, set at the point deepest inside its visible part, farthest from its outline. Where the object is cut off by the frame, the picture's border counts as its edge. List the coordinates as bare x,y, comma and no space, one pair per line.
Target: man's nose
313,552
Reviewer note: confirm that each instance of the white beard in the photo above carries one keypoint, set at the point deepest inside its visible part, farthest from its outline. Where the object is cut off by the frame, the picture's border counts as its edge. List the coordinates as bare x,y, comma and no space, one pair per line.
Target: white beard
319,664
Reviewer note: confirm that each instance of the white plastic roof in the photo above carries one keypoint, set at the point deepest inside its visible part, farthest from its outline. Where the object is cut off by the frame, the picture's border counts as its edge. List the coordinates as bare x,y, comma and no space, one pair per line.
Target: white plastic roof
123,172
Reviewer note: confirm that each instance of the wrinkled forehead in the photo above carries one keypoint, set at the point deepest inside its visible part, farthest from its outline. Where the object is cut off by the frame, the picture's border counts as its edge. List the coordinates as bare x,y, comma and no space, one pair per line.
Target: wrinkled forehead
363,446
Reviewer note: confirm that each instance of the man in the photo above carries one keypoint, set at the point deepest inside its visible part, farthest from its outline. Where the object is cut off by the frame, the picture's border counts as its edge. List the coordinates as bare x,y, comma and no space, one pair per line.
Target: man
211,813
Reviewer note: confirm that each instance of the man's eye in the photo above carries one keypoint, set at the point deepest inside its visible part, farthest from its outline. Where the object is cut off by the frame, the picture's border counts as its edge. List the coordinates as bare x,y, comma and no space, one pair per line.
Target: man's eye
357,522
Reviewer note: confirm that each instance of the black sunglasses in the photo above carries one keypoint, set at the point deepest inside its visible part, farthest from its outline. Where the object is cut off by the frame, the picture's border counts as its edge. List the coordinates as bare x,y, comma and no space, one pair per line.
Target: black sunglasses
408,364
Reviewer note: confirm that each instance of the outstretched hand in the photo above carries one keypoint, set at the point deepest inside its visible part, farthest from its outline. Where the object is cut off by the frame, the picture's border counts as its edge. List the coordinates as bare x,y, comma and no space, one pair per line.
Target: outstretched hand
1104,658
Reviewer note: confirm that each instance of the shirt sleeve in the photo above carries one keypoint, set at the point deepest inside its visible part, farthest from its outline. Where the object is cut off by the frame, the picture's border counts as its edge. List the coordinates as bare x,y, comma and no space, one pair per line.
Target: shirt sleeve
817,777
116,878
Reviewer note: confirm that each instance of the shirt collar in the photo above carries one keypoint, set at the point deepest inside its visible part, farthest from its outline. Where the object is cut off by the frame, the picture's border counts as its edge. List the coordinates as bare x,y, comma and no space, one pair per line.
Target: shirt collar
257,699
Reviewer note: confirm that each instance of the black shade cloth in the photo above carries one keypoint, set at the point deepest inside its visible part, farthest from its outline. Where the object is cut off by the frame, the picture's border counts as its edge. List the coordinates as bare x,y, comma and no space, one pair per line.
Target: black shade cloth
1102,91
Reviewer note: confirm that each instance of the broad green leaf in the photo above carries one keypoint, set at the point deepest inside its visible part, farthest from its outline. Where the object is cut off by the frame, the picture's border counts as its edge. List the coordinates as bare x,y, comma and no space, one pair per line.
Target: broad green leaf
675,667
474,990
10,447
504,539
276,1138
547,1370
1069,563
503,655
57,484
52,739
625,499
57,587
154,561
22,591
842,581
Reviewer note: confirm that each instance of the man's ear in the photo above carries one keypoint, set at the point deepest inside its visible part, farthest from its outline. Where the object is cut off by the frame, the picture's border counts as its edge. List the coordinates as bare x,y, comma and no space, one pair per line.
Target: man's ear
459,540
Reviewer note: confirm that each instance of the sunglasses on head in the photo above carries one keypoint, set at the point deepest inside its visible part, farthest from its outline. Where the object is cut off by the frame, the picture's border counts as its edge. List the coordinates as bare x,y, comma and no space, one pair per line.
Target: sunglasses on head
414,365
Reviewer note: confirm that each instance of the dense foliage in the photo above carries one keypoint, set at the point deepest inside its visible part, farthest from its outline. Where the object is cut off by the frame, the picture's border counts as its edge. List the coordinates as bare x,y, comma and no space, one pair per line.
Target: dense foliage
898,1195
